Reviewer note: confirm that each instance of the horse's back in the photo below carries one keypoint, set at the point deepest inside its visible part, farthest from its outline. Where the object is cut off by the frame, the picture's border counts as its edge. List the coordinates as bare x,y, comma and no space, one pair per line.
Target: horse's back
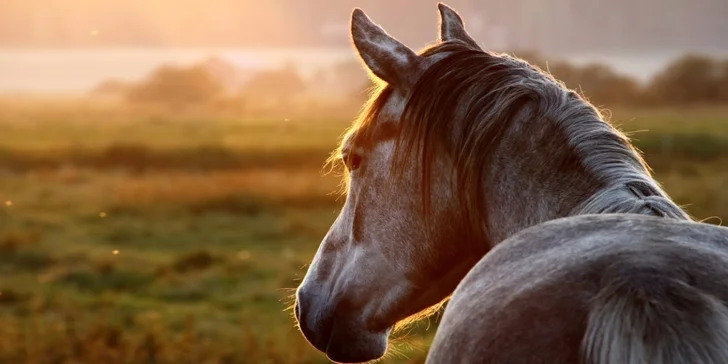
532,298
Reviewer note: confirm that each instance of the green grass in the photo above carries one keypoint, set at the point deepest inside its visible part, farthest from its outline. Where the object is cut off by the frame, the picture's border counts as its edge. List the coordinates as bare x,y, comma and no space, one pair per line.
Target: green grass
166,239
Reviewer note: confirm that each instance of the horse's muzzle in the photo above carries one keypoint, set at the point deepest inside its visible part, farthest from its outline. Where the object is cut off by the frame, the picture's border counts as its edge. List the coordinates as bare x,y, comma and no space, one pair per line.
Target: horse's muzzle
340,336
313,319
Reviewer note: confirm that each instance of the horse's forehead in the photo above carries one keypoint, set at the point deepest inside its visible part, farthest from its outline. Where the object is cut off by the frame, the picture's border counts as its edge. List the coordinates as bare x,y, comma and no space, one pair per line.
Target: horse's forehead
384,127
370,136
392,109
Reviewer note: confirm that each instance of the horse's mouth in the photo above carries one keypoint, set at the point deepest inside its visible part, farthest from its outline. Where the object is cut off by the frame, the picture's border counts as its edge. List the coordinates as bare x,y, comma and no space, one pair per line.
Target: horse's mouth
355,346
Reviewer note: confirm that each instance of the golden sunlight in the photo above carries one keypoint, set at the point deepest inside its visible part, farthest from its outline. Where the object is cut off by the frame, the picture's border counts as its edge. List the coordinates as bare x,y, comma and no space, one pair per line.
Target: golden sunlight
194,134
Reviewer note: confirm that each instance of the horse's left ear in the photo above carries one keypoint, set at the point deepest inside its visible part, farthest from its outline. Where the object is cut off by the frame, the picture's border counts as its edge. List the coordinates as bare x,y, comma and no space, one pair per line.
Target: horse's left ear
452,27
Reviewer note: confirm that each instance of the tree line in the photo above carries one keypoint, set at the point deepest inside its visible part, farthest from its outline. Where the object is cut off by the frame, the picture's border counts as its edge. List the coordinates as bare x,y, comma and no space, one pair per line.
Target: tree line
690,80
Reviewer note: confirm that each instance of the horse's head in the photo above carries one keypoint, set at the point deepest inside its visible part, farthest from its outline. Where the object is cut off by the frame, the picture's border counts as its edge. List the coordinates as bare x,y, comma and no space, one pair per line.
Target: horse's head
400,244
459,149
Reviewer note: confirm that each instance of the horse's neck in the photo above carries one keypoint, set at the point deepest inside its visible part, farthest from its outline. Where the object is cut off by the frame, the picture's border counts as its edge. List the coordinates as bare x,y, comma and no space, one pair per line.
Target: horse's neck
519,197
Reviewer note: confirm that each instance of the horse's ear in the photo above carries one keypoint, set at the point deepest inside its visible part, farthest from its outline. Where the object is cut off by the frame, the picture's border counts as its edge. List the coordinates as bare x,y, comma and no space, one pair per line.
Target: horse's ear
387,58
452,27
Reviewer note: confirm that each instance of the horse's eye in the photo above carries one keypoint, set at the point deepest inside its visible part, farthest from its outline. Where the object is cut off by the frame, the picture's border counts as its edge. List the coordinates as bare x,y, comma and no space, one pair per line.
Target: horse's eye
353,161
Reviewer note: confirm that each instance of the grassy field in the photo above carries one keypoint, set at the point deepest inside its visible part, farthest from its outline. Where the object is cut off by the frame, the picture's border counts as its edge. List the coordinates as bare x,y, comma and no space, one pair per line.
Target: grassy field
130,237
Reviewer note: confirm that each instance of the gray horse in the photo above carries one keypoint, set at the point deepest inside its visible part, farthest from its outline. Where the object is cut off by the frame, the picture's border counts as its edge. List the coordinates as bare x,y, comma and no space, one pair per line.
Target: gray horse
461,151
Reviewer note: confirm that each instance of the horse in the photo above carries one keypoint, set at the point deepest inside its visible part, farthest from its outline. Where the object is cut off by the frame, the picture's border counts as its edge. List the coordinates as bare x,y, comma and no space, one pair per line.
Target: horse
476,179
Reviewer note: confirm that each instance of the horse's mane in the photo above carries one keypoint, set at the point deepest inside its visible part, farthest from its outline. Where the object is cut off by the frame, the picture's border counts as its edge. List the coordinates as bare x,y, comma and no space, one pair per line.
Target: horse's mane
464,105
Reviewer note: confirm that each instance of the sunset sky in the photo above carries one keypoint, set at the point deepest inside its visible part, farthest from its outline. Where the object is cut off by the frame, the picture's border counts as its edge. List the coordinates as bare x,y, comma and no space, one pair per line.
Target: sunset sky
135,22
562,24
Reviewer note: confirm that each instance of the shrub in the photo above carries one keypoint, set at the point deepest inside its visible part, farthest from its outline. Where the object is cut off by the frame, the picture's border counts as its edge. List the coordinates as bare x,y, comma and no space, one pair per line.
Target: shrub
177,87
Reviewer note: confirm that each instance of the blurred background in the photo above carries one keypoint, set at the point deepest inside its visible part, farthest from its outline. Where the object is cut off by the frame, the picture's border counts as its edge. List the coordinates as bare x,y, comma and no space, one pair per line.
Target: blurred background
161,185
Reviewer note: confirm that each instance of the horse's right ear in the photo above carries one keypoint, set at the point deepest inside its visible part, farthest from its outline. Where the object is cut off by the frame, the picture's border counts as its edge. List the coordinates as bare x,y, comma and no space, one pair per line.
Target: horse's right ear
387,58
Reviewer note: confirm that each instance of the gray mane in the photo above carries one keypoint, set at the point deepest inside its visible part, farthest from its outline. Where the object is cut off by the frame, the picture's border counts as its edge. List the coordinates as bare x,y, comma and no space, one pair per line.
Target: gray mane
481,98
608,155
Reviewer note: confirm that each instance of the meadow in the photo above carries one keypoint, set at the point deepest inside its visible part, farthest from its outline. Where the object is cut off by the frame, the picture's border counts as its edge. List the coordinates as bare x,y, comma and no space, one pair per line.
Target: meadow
131,236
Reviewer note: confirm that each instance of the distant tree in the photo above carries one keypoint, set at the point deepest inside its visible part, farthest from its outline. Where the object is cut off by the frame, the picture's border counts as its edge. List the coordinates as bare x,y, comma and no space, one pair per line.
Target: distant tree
603,86
599,83
224,72
278,85
177,87
690,79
